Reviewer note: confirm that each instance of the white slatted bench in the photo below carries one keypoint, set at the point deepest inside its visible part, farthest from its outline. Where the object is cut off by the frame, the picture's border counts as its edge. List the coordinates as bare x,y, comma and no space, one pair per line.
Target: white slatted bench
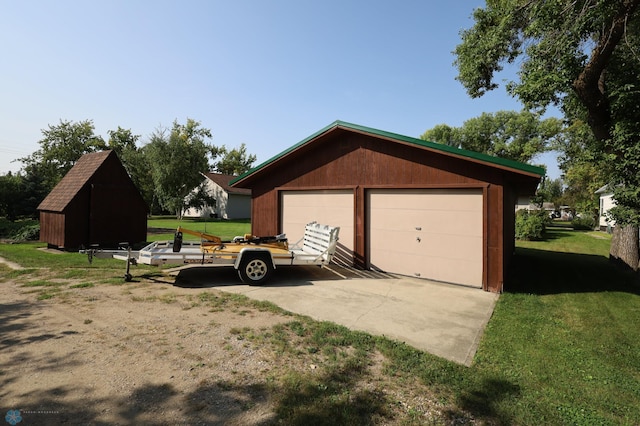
317,246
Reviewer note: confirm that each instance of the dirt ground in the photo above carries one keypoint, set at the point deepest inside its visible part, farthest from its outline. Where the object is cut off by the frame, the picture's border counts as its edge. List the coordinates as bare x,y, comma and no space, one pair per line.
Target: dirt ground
145,352
125,355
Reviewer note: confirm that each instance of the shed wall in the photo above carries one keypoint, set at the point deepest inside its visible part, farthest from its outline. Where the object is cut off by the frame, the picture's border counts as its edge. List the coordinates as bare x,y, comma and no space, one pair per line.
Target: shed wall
107,210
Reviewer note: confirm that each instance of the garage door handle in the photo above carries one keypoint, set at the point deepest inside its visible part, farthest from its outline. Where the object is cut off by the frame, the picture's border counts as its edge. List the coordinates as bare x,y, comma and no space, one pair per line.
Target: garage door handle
418,239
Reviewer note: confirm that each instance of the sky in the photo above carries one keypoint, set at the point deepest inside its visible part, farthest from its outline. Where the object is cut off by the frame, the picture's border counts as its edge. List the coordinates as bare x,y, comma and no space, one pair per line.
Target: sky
263,73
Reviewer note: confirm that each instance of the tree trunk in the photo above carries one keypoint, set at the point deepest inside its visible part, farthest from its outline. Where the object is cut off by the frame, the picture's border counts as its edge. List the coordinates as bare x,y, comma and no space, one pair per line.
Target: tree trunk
625,247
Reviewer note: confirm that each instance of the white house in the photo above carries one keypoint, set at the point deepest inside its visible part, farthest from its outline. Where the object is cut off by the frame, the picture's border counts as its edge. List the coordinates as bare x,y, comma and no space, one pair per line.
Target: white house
230,203
524,203
606,202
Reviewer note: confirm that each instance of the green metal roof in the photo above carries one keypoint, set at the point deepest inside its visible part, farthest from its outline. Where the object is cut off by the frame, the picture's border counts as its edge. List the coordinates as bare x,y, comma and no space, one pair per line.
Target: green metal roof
476,156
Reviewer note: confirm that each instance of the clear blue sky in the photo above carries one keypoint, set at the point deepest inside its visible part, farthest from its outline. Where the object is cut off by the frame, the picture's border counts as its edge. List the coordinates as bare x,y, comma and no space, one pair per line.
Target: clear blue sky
264,73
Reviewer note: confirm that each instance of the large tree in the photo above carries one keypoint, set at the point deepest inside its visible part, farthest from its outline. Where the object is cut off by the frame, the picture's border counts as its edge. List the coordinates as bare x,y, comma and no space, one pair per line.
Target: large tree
61,146
177,158
11,186
581,56
514,135
124,143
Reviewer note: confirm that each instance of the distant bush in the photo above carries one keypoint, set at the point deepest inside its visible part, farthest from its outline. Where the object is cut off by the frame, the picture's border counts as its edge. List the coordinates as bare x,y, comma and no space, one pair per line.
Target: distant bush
530,225
8,228
586,223
27,233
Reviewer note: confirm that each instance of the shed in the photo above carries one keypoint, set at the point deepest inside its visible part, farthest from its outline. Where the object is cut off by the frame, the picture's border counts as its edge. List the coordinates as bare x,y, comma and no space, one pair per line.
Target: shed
404,205
95,203
230,202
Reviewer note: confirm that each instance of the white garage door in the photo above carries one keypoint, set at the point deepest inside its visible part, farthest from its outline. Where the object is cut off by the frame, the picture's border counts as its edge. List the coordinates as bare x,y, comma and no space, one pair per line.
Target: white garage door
330,207
434,234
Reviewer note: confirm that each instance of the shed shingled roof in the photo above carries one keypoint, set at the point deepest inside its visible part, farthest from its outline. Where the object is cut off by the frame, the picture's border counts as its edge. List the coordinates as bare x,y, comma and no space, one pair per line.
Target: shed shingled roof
223,180
73,181
490,160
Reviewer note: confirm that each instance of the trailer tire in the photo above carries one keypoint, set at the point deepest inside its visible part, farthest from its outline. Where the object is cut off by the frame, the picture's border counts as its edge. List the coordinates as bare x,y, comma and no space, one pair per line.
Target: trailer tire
255,268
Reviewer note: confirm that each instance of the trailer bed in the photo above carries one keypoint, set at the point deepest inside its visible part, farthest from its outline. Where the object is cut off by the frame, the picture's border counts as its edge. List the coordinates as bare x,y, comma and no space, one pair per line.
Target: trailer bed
254,261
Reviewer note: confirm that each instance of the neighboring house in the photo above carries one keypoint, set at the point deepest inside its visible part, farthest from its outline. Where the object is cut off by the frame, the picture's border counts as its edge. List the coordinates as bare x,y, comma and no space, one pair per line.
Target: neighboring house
606,203
403,205
95,203
524,203
230,203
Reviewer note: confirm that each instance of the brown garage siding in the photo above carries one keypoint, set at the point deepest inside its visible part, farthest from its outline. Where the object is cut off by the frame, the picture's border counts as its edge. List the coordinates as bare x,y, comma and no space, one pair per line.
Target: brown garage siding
347,157
366,163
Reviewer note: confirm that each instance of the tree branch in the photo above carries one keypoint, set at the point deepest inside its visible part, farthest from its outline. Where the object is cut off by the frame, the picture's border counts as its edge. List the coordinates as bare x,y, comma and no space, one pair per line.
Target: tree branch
590,84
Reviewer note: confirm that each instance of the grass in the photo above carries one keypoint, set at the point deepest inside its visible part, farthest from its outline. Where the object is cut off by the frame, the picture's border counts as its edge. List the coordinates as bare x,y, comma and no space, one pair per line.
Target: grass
563,346
33,255
164,227
565,335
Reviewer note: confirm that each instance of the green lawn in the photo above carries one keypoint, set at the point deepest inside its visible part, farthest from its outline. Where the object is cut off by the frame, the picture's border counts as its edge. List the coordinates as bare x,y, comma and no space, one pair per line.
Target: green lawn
562,348
163,227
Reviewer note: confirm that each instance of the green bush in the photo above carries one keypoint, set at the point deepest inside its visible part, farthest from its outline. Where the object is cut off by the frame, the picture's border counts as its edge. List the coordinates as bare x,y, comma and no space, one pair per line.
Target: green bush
27,233
530,226
8,228
586,223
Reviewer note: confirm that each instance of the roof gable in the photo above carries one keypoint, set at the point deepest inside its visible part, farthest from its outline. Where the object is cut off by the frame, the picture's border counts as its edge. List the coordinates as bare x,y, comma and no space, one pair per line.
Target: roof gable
510,165
223,180
74,181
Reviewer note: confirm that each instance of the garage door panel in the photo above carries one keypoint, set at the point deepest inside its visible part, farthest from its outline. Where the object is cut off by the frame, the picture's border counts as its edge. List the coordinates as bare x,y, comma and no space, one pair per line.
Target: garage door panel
435,234
436,222
438,198
328,207
455,246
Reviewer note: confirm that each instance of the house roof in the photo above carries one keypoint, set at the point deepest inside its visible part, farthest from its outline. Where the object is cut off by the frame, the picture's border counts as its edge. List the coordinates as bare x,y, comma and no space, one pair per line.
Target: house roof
477,157
604,190
223,180
73,181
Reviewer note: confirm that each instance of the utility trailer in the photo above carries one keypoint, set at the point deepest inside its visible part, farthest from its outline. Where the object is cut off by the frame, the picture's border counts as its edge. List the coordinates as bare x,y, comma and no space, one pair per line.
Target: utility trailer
255,258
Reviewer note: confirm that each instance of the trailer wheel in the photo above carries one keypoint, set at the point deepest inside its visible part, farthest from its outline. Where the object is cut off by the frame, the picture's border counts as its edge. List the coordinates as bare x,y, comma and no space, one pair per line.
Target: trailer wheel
255,268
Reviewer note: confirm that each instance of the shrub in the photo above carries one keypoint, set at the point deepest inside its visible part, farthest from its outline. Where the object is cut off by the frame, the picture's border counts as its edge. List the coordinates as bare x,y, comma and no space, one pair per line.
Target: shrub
27,233
530,225
586,223
8,229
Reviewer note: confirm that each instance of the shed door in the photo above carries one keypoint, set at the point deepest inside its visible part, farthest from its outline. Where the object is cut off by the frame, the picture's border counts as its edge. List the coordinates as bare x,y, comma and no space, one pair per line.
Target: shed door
328,207
435,234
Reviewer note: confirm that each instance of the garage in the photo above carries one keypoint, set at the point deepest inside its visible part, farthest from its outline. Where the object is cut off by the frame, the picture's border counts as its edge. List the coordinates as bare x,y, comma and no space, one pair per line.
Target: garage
334,207
404,205
427,233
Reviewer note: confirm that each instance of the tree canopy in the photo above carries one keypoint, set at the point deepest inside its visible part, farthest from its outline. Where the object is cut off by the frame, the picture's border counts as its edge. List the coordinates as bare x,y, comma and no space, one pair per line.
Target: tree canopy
236,161
178,158
514,135
581,56
61,146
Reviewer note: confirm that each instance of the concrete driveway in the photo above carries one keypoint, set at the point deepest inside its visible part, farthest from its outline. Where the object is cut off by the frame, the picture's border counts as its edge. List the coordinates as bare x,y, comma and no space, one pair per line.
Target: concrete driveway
445,320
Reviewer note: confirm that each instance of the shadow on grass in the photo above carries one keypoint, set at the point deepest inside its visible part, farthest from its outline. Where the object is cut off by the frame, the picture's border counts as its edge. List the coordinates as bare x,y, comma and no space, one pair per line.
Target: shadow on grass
483,398
549,272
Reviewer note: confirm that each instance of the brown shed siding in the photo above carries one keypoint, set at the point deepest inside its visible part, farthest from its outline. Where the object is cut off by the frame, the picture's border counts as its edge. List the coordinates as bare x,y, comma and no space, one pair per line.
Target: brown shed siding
343,158
52,228
95,203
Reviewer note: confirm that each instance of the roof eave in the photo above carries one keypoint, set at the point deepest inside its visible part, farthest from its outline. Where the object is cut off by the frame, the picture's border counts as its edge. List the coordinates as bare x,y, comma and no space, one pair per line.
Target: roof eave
485,159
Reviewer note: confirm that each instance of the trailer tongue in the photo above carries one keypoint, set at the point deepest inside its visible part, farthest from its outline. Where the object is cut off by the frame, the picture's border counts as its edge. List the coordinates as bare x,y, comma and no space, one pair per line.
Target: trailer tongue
255,258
